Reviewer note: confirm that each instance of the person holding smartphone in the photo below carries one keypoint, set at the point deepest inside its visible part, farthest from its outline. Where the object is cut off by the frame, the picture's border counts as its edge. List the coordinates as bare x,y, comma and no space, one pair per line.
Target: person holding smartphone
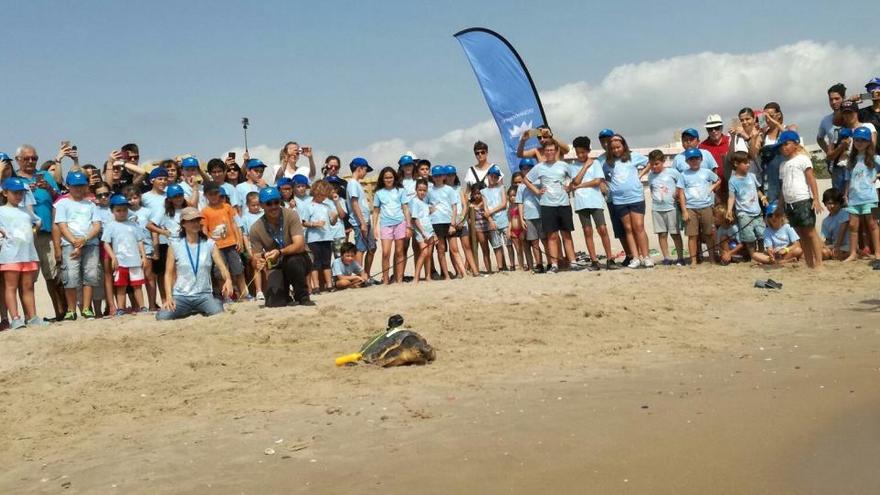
871,113
289,164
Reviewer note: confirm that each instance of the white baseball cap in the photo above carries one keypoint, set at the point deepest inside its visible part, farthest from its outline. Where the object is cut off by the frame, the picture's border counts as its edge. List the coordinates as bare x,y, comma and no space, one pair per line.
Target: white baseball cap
714,120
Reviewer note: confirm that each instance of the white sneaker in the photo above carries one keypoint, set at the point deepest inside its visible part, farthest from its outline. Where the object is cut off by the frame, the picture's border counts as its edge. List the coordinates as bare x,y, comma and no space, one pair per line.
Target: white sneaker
260,296
635,263
648,263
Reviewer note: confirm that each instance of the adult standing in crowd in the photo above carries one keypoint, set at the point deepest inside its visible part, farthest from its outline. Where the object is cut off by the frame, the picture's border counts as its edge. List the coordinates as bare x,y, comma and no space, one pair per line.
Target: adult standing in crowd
717,143
279,246
830,123
769,156
191,259
476,175
871,113
289,164
746,137
839,151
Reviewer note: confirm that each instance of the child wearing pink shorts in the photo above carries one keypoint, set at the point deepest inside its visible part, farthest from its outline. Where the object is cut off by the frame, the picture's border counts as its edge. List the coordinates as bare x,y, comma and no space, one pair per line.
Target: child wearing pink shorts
391,220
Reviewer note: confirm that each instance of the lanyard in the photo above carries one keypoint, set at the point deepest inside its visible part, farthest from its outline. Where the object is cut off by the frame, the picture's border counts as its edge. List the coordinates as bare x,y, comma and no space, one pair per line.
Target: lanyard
194,265
277,235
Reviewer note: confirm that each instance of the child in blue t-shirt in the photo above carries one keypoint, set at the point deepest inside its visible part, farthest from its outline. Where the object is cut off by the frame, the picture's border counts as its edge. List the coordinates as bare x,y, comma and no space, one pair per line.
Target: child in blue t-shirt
347,272
699,186
318,217
19,262
495,205
124,244
423,229
727,240
80,228
667,196
781,242
745,203
391,222
861,196
835,227
589,202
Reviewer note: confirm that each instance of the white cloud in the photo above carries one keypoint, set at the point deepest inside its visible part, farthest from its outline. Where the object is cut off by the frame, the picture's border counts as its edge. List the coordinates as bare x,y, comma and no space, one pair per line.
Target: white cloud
649,101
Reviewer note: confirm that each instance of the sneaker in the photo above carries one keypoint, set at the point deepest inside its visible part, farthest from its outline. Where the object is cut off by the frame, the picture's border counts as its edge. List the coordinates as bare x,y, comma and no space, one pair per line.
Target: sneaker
17,323
626,261
611,265
668,262
680,262
553,269
594,266
260,297
69,316
648,263
36,321
306,302
634,263
575,267
120,312
538,269
87,314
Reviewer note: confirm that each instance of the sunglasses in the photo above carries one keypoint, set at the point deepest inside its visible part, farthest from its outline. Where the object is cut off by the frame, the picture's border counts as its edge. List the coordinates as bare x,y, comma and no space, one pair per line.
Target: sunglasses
274,202
29,158
481,152
714,129
102,195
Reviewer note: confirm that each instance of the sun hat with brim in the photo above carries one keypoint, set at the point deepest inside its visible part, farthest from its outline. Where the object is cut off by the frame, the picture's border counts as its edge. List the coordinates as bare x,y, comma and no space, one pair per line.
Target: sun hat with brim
190,213
713,120
14,184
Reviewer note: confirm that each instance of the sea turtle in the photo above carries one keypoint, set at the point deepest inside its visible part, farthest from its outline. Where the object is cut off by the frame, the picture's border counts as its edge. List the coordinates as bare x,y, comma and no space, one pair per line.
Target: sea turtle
395,346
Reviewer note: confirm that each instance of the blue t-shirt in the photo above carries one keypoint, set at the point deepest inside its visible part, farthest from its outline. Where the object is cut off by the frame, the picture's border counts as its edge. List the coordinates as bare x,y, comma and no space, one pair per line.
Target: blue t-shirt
781,238
232,192
188,191
337,230
142,217
42,201
193,264
420,211
587,197
831,227
390,204
525,197
171,224
248,220
79,217
552,177
745,193
153,202
103,214
442,198
339,268
124,237
354,192
317,212
624,185
409,186
664,188
17,244
243,189
697,188
861,183
708,162
493,197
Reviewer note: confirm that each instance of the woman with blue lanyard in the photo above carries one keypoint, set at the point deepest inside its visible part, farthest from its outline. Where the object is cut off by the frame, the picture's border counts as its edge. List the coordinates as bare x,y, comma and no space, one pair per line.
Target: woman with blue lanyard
191,257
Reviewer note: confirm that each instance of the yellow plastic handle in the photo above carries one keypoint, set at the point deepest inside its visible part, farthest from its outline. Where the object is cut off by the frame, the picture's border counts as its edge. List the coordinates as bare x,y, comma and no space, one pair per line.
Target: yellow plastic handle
348,358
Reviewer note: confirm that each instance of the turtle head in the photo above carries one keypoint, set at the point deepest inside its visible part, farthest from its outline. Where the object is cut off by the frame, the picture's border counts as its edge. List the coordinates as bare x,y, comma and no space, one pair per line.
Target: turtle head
395,321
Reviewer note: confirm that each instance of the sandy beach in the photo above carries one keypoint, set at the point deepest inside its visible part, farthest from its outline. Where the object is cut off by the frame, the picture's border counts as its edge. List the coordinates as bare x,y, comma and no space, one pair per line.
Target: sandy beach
672,380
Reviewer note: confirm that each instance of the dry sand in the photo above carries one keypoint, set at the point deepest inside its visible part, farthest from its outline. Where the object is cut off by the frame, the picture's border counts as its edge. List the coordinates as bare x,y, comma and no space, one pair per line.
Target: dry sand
667,381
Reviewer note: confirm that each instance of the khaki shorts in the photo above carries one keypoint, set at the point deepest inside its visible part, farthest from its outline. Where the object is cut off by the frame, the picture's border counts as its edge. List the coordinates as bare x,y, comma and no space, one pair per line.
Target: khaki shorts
702,219
46,254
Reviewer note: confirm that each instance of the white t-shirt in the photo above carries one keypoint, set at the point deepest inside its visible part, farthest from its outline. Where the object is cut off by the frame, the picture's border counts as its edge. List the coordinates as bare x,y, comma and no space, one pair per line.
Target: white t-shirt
470,180
302,168
794,182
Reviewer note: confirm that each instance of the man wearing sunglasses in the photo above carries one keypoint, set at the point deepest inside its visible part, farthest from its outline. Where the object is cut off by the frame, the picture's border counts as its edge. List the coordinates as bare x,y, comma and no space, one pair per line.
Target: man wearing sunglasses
476,175
717,143
124,169
279,247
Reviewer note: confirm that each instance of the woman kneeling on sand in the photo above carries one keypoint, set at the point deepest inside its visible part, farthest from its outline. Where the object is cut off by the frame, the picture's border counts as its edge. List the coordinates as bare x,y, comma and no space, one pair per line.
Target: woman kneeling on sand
191,259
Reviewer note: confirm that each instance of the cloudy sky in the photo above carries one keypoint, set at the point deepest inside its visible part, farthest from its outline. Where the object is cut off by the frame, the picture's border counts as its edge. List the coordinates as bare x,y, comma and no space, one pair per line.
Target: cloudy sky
379,78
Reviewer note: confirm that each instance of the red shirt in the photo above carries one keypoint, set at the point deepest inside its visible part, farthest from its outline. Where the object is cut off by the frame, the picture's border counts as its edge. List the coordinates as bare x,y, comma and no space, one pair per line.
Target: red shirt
718,151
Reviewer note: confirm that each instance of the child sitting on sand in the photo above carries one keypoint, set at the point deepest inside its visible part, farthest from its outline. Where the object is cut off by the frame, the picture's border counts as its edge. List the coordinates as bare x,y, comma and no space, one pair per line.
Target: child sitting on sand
835,227
727,238
347,272
781,242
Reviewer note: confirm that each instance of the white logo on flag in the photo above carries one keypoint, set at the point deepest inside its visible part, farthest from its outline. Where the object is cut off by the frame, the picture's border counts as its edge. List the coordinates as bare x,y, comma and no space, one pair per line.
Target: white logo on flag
517,130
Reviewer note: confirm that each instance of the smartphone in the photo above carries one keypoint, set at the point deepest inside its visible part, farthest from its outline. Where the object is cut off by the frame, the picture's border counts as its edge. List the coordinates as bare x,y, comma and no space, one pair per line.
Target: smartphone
866,97
232,155
533,133
762,120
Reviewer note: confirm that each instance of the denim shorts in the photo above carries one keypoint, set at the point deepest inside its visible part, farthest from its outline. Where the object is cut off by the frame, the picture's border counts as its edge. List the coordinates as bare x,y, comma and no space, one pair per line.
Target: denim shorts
361,243
751,227
83,270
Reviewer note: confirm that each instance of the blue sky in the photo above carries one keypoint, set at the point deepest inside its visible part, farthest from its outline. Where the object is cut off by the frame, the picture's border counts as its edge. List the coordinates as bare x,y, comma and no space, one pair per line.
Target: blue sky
178,76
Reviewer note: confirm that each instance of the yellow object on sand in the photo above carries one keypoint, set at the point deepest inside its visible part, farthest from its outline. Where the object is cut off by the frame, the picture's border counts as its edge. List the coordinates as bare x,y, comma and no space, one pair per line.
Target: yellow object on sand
348,358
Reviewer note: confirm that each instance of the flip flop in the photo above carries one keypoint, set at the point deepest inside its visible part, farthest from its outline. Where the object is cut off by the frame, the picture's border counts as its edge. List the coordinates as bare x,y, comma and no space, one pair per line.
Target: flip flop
772,284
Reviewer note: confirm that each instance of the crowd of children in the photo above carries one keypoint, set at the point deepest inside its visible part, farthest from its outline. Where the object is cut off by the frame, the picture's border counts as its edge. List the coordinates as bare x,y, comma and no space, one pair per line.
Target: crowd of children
113,240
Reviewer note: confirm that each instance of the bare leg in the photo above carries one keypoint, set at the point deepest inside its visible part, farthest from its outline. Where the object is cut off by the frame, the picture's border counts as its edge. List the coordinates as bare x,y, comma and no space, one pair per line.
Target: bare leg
663,240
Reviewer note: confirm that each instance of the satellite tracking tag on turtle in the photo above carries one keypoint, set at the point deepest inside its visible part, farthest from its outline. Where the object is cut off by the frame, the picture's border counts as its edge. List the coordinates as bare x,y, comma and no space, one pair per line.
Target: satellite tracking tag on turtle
394,346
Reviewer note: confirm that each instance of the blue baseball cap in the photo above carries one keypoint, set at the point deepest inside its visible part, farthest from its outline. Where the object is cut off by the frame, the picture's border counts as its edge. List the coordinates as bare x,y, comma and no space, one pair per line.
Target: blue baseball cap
255,163
360,162
873,83
845,132
284,181
77,179
269,194
118,200
691,132
300,180
493,170
405,160
173,191
223,193
526,162
189,162
605,133
333,179
14,184
158,172
4,157
787,136
438,170
449,170
862,133
771,208
692,153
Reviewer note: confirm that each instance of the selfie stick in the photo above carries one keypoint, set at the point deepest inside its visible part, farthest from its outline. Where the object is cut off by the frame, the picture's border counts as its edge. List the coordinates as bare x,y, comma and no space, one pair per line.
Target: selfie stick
244,124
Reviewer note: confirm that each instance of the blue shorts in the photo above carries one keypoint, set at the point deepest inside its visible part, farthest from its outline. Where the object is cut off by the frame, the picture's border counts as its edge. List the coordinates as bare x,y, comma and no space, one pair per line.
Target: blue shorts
362,244
862,209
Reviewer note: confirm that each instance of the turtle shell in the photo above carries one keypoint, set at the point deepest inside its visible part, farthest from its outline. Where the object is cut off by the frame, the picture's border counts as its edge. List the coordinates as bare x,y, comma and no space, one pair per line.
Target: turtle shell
398,347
